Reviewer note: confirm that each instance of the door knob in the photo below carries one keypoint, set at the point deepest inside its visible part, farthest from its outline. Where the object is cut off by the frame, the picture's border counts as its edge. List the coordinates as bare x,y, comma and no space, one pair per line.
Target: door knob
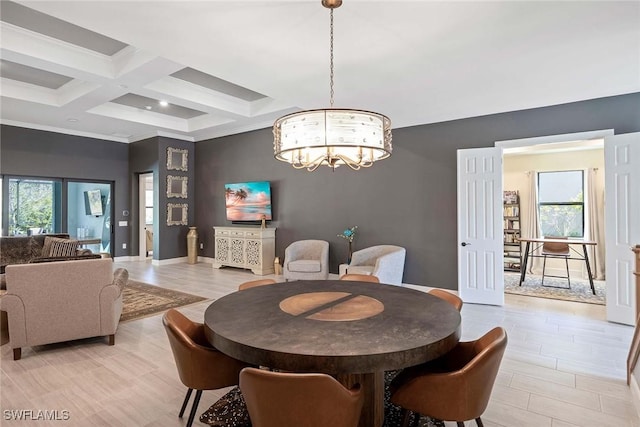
465,244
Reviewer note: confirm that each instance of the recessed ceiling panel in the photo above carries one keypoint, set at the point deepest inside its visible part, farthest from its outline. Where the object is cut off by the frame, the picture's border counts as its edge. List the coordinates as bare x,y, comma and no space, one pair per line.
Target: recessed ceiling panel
39,22
34,76
144,103
214,83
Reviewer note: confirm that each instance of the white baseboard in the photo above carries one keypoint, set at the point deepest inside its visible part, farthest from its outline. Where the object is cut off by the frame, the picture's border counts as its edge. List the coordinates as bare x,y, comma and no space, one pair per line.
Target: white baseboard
126,258
168,261
635,393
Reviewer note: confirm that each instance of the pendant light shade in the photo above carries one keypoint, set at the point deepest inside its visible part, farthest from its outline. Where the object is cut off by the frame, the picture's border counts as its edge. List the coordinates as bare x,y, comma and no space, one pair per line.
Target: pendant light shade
333,136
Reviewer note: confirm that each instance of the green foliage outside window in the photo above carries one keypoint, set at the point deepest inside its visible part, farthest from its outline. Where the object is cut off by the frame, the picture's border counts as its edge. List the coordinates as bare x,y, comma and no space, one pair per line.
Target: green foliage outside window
30,206
563,220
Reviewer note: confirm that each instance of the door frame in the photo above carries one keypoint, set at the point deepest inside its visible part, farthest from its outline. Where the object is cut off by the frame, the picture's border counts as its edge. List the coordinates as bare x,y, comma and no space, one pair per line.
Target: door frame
550,139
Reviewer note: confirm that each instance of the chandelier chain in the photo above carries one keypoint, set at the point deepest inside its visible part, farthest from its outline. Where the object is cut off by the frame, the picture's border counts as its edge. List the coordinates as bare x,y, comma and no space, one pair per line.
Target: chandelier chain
331,59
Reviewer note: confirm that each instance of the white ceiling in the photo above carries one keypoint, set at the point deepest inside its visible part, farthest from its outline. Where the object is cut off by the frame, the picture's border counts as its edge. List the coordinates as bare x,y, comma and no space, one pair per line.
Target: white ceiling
90,67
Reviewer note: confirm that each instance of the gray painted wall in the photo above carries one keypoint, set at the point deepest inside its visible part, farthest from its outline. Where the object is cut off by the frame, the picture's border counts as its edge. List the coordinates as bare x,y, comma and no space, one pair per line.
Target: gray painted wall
150,155
408,199
30,152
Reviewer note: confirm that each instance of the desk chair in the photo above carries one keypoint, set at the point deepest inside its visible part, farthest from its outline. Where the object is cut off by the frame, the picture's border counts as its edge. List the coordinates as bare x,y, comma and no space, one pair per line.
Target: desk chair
556,250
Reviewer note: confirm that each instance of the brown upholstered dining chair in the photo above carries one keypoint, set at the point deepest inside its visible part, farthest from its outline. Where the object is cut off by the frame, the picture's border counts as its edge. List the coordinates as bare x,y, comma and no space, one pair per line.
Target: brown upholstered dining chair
255,283
454,387
452,299
360,278
200,366
276,399
556,250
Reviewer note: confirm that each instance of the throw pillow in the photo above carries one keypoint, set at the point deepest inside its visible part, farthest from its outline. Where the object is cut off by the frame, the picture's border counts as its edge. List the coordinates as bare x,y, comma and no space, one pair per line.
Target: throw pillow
63,247
46,246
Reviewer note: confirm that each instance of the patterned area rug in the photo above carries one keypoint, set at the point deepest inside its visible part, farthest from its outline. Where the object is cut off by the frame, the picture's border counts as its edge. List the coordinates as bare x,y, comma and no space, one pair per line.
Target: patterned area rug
392,413
143,300
231,410
580,289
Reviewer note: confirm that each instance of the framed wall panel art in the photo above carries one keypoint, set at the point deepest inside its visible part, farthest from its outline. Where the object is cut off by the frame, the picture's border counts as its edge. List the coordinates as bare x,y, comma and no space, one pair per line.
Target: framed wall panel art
177,159
177,213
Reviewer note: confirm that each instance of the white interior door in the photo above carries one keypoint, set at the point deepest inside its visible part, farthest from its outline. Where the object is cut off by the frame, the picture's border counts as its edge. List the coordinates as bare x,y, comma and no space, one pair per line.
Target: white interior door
622,228
480,248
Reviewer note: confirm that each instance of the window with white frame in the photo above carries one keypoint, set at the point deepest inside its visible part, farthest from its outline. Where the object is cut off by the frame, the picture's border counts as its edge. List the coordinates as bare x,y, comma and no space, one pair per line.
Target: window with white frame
561,203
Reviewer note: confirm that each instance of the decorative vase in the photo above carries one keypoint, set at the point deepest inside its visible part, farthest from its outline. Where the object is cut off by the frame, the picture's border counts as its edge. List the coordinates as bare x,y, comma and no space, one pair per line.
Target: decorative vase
192,245
277,268
350,253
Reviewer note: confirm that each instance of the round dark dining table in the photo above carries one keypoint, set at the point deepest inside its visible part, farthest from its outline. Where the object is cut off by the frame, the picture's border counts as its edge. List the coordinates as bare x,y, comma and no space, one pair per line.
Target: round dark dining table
352,330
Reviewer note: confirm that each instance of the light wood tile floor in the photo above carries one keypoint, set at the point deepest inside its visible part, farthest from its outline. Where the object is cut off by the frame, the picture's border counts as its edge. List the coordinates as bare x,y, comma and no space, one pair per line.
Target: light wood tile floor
564,365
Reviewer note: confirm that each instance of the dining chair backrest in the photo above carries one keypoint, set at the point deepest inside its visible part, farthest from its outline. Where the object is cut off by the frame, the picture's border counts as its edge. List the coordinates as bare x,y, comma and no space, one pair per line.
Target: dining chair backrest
360,278
452,299
200,366
255,283
276,399
457,386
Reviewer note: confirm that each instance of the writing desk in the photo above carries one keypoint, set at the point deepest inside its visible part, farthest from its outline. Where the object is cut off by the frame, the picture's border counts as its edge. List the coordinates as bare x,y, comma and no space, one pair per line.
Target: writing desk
528,252
352,330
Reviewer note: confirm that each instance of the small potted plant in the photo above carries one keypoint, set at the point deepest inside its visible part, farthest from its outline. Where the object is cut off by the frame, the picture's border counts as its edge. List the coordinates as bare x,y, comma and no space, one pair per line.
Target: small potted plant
349,234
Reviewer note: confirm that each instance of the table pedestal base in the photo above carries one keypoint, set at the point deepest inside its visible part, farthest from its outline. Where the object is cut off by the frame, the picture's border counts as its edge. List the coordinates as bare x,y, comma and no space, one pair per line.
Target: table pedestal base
372,385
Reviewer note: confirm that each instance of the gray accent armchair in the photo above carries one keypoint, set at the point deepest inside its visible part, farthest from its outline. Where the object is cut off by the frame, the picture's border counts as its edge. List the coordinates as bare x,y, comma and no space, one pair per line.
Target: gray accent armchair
306,260
386,262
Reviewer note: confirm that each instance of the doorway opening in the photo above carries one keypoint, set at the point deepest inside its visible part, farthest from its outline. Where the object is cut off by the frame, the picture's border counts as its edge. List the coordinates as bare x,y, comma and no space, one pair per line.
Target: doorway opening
146,219
527,165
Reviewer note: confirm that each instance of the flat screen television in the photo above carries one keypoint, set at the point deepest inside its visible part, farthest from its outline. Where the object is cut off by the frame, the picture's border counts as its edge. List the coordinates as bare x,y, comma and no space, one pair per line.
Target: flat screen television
248,201
93,202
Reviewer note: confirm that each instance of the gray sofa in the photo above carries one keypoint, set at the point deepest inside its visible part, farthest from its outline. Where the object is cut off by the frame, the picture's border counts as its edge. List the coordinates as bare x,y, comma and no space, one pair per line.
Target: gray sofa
29,249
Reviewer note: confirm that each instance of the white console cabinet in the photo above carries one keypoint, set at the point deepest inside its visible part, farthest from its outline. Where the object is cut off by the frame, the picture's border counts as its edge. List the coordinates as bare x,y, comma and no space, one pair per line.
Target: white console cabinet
253,248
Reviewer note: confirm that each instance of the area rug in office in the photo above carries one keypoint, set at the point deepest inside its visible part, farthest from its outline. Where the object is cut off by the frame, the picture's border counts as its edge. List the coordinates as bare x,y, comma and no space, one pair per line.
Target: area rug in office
143,300
580,289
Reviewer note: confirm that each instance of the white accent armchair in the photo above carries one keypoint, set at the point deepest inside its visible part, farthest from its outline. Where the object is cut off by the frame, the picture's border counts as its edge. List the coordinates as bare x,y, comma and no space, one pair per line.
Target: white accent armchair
306,260
386,262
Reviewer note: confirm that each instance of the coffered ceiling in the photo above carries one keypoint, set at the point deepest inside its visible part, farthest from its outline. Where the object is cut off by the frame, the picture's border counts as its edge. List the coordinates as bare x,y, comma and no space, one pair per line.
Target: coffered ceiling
101,68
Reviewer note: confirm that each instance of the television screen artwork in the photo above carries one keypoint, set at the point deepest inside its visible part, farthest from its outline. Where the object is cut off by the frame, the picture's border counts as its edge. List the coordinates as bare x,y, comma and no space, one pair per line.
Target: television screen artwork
93,202
248,201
